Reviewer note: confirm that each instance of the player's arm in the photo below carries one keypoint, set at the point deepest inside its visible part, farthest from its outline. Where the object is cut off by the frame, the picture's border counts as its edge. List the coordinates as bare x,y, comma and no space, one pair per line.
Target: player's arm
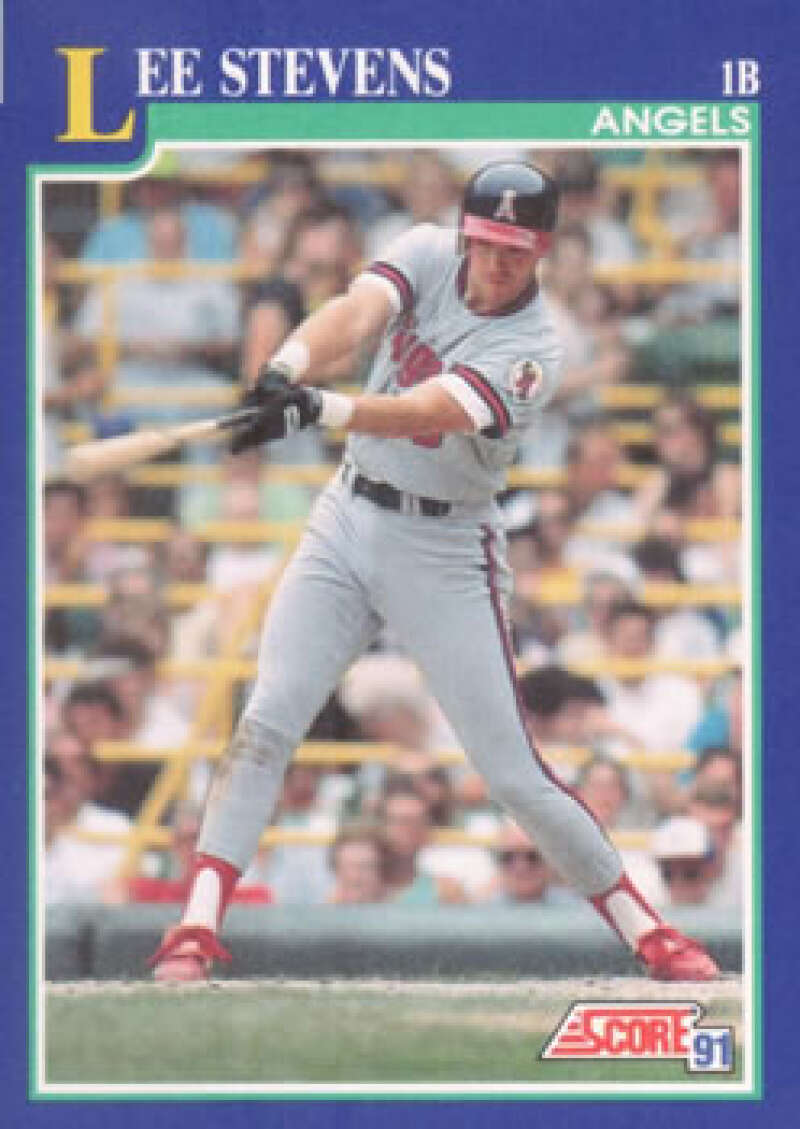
427,408
437,406
339,329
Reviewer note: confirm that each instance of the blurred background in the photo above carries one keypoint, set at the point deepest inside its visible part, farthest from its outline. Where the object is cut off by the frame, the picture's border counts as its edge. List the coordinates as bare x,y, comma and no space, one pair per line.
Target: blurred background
160,297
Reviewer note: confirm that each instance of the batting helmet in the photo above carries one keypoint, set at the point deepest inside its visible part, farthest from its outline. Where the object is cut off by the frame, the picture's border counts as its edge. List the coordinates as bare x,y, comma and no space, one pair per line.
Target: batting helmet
512,203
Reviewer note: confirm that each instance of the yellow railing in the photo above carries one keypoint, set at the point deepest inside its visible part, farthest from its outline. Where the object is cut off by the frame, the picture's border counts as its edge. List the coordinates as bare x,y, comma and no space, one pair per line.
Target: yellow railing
338,753
615,397
658,271
148,832
162,837
150,530
557,590
628,476
626,432
229,670
213,719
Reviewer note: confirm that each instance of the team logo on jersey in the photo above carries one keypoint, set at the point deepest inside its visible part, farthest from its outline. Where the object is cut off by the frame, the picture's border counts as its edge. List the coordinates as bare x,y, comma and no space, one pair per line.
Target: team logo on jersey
506,209
525,379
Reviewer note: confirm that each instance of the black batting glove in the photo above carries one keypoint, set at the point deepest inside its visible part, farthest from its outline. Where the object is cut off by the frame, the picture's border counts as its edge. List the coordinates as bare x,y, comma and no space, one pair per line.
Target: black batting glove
284,409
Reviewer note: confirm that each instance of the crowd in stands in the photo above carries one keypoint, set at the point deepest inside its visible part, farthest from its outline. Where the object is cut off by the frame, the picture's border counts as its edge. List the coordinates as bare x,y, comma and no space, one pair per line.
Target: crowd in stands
415,827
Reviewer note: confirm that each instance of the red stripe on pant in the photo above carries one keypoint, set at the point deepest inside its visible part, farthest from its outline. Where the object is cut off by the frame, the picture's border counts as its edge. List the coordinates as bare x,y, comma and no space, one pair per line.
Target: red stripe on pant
627,887
487,543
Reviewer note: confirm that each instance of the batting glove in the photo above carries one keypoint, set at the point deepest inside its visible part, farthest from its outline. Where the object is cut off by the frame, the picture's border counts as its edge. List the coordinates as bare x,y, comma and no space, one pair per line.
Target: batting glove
284,408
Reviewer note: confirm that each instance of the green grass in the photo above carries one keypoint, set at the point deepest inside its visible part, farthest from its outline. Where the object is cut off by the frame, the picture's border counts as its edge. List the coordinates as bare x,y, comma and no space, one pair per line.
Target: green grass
324,1033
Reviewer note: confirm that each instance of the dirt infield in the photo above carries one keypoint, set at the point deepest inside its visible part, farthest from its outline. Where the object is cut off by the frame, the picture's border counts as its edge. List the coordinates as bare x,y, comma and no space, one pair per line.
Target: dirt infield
727,988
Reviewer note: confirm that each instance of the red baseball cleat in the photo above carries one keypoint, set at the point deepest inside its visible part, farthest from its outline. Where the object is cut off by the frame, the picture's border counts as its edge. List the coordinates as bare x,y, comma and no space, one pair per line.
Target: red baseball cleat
669,955
186,953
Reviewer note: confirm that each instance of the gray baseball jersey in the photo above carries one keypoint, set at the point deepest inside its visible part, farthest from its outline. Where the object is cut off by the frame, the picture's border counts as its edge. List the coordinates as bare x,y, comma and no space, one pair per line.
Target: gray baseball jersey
503,368
439,580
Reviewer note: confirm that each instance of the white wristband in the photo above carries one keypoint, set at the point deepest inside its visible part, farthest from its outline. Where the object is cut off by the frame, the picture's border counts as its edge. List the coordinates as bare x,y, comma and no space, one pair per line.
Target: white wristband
337,410
294,357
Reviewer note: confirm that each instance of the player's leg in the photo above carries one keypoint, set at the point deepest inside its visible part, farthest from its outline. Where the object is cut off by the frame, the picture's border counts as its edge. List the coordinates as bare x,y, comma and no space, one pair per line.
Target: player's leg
455,627
318,621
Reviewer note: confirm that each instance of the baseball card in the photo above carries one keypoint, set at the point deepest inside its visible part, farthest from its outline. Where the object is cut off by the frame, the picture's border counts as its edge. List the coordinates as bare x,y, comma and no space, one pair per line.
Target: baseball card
398,535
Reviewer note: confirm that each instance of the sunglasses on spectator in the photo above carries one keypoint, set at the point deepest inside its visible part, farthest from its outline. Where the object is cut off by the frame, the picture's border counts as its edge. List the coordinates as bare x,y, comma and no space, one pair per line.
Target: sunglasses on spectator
688,871
533,858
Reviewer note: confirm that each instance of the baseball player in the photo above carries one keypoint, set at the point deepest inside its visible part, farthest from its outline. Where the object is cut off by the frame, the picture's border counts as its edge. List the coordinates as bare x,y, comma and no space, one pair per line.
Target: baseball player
408,534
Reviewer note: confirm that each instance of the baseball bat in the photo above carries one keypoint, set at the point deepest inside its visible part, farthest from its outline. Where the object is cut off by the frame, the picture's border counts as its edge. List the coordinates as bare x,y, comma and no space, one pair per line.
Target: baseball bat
102,456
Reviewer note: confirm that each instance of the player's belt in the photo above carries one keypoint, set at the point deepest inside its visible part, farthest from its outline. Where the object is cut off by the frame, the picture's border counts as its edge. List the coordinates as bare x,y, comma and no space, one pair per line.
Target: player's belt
390,498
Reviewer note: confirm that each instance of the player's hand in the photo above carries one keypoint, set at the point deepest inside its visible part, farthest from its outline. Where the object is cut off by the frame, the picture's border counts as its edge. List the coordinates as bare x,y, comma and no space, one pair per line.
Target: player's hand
284,408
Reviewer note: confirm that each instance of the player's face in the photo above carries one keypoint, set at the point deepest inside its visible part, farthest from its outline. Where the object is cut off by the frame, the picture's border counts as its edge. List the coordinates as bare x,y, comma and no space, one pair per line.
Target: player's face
497,275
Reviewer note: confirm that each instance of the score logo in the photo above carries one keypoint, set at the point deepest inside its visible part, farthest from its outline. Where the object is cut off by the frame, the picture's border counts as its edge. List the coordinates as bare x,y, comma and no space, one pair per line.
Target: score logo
593,1030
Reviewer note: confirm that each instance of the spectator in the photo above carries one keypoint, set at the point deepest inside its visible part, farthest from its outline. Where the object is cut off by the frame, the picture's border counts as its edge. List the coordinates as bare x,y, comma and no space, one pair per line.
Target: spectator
721,723
135,610
246,488
123,238
565,709
684,852
657,711
291,190
589,641
357,860
108,499
717,808
77,869
276,307
64,543
683,633
386,696
523,876
605,787
429,194
594,352
149,719
92,712
715,238
432,782
702,562
556,705
241,563
407,825
471,866
689,479
70,381
593,464
193,631
173,332
536,556
586,199
298,874
660,710
173,884
323,252
719,771
66,551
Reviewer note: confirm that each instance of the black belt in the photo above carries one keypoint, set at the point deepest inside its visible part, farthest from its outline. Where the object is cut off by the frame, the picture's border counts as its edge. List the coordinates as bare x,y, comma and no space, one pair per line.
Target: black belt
390,498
